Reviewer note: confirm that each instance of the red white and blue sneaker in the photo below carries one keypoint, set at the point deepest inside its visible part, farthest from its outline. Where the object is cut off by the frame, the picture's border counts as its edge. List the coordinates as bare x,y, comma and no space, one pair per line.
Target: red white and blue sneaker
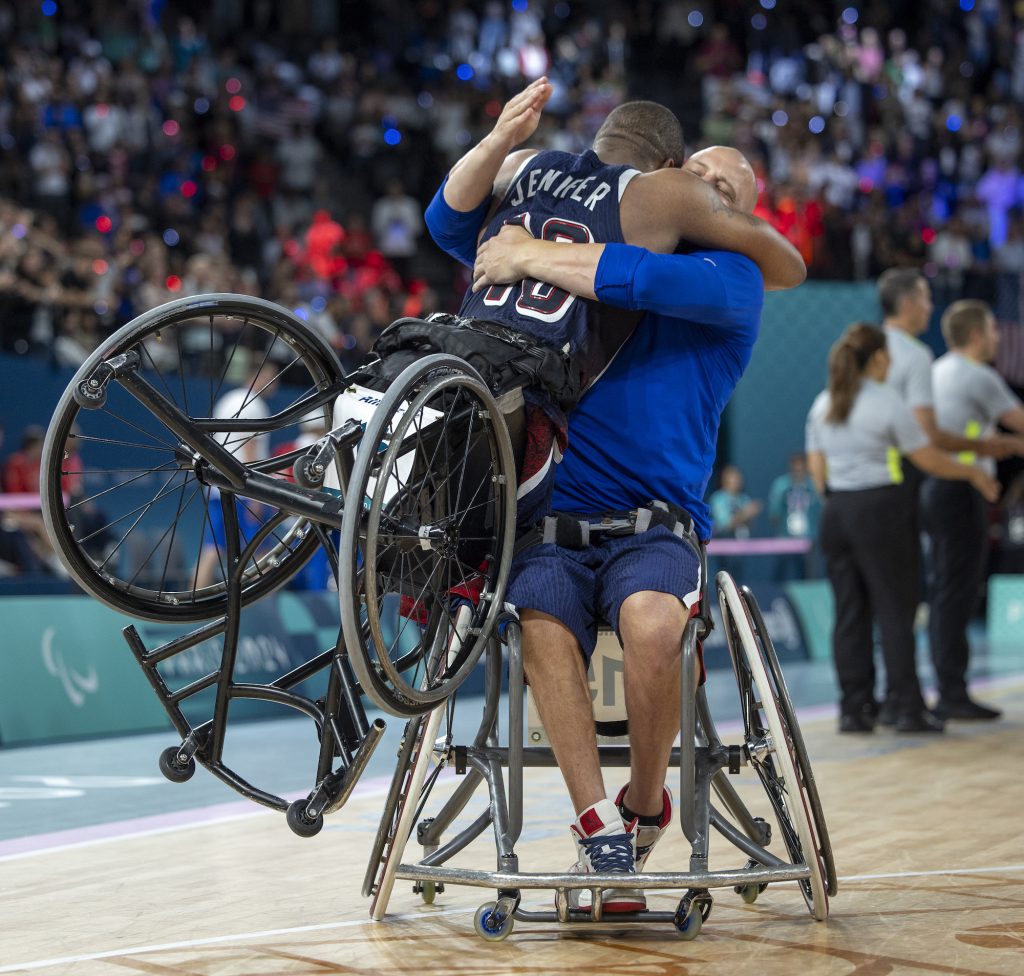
604,844
647,835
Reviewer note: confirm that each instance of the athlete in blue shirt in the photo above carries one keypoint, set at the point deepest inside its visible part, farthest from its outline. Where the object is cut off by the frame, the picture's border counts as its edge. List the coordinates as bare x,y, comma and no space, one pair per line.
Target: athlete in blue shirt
646,430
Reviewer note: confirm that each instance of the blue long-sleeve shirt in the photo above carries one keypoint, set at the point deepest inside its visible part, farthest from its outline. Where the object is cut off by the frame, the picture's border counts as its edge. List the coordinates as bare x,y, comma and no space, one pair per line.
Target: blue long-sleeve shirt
648,428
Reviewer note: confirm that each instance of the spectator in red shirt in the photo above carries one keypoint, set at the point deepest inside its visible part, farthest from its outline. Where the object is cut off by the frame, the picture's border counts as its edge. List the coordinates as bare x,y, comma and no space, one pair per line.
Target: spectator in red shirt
21,472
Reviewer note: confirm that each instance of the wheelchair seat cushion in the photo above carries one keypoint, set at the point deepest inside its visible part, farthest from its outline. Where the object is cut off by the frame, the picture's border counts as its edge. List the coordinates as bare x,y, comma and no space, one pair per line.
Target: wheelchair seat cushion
506,359
582,587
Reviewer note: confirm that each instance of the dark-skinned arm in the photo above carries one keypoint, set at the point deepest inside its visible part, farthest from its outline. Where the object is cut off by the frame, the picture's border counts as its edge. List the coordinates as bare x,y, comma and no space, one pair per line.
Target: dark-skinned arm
662,208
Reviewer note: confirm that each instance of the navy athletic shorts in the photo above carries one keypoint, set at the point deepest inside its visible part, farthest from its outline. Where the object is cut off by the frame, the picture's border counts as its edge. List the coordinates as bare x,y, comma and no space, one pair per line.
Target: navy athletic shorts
583,587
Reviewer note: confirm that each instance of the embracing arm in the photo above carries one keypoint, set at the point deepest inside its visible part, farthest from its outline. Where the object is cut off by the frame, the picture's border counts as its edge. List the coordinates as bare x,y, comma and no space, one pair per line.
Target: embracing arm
997,446
932,461
661,208
686,286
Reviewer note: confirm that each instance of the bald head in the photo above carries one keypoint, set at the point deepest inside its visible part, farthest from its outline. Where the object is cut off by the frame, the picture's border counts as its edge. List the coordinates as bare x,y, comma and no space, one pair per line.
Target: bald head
727,170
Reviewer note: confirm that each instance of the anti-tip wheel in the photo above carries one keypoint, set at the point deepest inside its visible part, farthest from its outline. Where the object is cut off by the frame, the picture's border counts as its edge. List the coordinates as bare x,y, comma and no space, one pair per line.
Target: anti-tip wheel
300,822
490,925
748,893
692,913
427,890
173,769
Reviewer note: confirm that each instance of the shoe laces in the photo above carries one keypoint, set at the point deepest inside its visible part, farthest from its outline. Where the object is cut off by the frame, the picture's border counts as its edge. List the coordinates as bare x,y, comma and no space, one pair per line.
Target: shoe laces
609,852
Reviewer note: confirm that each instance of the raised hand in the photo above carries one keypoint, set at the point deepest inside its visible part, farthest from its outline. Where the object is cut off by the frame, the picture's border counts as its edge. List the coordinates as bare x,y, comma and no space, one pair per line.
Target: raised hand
521,115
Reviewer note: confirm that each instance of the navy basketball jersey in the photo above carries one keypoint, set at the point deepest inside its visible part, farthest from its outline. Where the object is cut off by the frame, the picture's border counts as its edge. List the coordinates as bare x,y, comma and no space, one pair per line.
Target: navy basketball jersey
556,196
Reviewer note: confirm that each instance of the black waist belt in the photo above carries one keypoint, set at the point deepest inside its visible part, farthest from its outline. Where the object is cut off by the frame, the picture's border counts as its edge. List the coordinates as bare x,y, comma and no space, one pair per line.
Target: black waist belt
572,532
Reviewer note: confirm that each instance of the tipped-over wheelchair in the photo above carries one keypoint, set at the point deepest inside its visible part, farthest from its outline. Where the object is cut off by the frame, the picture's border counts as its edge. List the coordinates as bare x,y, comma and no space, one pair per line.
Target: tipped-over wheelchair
168,505
147,475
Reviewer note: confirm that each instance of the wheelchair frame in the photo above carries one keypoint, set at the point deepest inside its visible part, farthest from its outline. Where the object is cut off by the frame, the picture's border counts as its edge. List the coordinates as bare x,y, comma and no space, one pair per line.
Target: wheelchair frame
774,747
408,512
404,514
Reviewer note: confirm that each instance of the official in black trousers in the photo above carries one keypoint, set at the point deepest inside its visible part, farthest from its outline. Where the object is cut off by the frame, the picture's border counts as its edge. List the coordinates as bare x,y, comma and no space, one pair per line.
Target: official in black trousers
857,432
970,397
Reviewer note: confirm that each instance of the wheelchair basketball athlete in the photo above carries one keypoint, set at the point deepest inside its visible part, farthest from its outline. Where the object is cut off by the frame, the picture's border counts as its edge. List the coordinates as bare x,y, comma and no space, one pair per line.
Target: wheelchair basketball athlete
531,335
620,556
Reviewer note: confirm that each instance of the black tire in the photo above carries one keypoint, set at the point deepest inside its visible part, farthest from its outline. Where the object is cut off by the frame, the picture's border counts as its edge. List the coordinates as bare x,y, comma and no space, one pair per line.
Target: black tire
300,822
770,743
175,771
803,761
431,515
133,532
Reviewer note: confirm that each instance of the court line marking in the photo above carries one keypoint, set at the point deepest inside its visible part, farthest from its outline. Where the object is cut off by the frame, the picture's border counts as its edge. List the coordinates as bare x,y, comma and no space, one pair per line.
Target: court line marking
352,923
37,844
161,823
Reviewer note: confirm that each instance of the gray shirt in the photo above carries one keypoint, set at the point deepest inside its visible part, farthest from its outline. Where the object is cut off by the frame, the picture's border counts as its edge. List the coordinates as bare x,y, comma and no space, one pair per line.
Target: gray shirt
910,374
865,451
969,398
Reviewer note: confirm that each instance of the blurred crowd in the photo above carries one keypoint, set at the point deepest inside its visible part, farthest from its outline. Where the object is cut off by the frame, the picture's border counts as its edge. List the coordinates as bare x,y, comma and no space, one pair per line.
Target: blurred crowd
154,149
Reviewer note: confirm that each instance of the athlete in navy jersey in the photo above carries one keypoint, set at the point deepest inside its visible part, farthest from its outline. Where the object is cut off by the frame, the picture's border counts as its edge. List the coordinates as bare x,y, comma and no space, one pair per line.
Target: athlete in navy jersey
555,196
642,584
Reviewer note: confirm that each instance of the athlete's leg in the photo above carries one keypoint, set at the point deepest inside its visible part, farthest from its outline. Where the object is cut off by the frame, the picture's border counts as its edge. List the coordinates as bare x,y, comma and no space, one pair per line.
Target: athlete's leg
558,683
647,583
651,625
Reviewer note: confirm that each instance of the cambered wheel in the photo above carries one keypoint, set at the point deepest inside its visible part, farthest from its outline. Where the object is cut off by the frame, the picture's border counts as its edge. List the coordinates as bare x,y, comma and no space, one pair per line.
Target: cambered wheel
122,498
409,790
770,743
801,756
428,530
172,767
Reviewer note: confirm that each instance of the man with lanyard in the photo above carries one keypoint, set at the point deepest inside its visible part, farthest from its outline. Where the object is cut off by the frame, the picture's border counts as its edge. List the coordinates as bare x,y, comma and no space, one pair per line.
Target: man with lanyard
627,448
970,396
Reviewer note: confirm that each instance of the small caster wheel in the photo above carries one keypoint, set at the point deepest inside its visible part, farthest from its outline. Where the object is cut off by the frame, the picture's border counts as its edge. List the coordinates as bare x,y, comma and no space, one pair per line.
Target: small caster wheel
89,398
692,913
490,924
748,892
300,822
173,769
688,924
427,890
306,474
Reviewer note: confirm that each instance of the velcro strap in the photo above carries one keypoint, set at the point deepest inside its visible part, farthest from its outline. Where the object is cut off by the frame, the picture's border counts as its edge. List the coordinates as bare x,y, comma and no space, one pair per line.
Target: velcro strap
571,532
565,531
674,518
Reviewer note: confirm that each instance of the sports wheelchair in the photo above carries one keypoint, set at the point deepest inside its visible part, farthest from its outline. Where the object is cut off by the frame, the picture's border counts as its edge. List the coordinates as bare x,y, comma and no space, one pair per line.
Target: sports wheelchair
143,470
770,746
140,476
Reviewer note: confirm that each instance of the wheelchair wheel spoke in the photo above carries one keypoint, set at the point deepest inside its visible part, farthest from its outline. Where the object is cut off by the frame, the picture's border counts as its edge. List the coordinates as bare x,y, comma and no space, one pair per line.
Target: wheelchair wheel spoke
136,495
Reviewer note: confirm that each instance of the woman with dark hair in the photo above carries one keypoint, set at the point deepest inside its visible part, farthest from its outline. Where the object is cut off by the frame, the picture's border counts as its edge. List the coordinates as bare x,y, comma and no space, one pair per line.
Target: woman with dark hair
857,432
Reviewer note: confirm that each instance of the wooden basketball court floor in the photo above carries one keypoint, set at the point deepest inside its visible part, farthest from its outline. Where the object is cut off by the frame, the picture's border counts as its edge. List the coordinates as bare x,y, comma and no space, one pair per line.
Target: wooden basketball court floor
927,833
